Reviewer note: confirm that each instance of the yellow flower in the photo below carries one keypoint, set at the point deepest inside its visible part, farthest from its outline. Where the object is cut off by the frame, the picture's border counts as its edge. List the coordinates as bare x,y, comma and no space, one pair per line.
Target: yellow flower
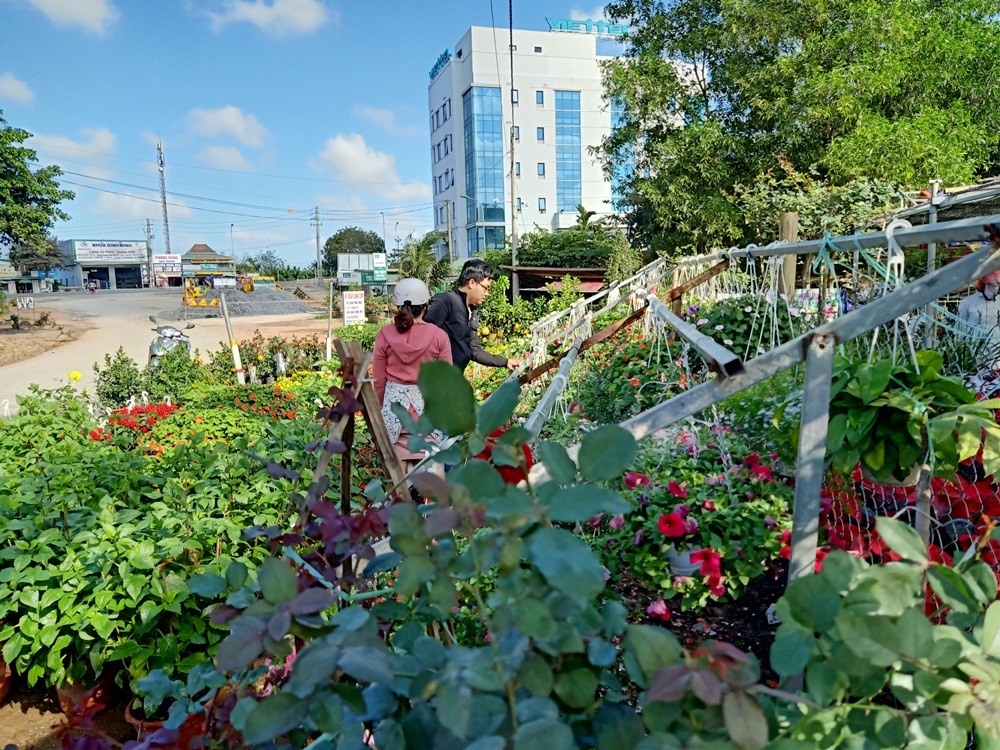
75,376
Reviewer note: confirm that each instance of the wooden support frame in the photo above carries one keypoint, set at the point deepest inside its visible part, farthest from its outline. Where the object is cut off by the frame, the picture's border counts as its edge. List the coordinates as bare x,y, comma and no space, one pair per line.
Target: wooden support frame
371,409
674,294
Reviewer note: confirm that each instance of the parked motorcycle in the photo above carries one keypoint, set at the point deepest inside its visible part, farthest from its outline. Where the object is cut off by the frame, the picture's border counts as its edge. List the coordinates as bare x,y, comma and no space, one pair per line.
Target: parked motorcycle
167,338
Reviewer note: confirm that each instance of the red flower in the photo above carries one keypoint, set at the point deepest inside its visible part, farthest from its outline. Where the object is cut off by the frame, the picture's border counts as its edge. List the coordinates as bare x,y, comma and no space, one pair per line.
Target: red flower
715,585
764,472
752,460
671,525
677,490
708,505
635,479
711,562
510,474
659,609
634,382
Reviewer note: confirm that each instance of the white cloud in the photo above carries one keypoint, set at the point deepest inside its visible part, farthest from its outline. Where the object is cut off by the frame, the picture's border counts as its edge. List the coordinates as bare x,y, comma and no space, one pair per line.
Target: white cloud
228,121
129,207
579,14
15,89
94,146
225,157
355,162
93,15
278,18
387,119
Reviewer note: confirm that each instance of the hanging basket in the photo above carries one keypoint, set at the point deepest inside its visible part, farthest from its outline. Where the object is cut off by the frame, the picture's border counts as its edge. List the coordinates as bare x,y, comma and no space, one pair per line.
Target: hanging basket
680,560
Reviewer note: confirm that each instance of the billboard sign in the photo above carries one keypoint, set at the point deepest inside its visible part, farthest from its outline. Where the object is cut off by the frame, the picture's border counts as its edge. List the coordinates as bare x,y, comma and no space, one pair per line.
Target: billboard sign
354,308
167,265
109,251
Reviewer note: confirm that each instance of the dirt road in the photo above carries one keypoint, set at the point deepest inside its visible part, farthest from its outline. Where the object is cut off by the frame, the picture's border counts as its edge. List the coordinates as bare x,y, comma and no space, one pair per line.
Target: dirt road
110,319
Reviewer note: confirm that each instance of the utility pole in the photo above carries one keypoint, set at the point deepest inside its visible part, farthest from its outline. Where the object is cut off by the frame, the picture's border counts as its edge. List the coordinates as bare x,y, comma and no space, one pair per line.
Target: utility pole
149,253
319,252
163,197
447,212
515,284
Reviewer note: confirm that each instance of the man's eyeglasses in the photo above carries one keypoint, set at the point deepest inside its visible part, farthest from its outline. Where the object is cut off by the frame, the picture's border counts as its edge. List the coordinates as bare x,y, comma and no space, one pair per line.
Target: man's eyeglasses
486,286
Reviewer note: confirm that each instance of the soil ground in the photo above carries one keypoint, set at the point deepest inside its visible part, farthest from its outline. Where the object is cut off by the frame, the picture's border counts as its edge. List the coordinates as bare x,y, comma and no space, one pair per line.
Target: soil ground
30,719
97,324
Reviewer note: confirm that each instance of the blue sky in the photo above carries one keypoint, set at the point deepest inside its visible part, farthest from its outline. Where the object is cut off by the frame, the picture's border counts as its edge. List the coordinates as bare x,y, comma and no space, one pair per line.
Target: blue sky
265,108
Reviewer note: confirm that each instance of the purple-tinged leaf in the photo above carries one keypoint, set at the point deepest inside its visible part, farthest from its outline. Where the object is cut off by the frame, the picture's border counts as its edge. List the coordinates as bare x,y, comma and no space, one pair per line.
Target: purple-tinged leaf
277,626
310,601
669,684
707,687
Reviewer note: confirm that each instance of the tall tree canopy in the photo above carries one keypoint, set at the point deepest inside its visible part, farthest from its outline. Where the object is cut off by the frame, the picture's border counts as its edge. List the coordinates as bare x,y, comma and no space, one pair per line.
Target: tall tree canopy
715,90
29,195
350,240
416,259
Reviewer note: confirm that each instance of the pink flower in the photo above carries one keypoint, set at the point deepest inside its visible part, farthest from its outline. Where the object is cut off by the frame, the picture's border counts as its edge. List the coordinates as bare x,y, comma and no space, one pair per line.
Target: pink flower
770,522
712,481
708,505
659,609
690,526
682,510
595,522
637,539
677,490
710,560
671,525
617,522
635,479
715,585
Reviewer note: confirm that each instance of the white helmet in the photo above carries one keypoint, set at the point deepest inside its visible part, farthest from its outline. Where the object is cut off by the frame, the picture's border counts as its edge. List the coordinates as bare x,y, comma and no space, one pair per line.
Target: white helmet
410,291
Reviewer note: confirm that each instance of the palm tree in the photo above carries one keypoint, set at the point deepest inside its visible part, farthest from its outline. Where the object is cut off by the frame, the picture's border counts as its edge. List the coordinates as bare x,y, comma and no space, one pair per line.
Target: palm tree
417,260
583,221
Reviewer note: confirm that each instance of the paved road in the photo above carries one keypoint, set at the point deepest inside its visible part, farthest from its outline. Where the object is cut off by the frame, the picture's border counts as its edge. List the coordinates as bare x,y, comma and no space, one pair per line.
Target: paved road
120,318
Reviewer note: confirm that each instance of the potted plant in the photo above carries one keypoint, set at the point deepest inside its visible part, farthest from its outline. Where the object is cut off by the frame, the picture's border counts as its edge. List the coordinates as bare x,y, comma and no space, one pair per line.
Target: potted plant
893,417
705,520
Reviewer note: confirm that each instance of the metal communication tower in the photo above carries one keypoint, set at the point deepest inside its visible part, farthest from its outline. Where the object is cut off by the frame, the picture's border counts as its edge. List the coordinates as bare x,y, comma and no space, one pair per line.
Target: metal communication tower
163,197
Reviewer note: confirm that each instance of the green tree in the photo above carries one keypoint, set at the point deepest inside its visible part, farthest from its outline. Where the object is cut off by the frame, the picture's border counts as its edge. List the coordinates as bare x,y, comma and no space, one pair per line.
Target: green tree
37,252
417,260
29,196
715,90
350,240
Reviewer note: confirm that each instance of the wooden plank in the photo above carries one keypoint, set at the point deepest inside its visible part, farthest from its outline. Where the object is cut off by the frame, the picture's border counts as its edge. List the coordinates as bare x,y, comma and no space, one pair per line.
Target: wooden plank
677,292
604,333
372,410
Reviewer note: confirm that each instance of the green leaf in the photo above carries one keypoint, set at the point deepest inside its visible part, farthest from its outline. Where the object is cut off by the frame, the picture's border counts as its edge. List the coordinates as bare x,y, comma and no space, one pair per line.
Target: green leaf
810,602
534,619
557,461
448,398
902,539
536,675
617,727
606,452
454,708
652,648
274,716
496,410
991,630
549,734
915,634
366,664
142,556
790,650
236,575
584,501
745,721
277,581
208,585
567,563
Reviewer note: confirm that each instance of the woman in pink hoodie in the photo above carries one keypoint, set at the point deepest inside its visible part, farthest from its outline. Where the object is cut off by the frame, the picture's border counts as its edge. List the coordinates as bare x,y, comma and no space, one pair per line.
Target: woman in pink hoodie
400,349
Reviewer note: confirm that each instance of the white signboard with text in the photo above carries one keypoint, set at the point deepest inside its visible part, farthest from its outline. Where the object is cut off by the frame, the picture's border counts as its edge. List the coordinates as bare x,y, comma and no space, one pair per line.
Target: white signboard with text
109,251
354,308
169,265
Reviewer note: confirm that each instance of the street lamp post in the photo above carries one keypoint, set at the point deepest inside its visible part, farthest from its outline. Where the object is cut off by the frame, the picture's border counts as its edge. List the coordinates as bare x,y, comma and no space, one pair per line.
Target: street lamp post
231,250
382,214
396,234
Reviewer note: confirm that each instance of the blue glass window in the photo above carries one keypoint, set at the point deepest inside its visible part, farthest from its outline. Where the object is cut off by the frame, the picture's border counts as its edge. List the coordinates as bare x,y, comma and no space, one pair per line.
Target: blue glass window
541,169
569,176
539,97
484,164
541,205
540,134
624,167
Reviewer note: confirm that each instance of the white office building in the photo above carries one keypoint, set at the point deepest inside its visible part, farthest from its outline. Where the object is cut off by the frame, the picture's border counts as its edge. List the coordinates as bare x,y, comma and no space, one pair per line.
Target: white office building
557,109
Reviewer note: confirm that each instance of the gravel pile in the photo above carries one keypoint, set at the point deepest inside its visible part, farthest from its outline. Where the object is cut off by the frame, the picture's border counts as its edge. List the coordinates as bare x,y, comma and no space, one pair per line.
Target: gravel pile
261,301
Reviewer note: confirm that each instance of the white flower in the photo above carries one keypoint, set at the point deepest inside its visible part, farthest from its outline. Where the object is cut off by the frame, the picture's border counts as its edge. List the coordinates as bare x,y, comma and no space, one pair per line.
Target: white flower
793,310
760,349
719,327
748,308
727,342
701,321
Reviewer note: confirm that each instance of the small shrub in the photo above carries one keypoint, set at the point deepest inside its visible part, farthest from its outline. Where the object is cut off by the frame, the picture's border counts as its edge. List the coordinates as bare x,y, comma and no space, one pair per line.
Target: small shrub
173,376
119,380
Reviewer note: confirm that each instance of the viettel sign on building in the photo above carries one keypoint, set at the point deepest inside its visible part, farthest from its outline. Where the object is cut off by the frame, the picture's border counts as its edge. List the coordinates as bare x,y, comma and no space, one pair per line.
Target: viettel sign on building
587,27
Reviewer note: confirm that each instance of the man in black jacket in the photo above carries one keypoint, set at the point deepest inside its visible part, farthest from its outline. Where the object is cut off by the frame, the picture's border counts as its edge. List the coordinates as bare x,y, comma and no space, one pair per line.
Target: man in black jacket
455,313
